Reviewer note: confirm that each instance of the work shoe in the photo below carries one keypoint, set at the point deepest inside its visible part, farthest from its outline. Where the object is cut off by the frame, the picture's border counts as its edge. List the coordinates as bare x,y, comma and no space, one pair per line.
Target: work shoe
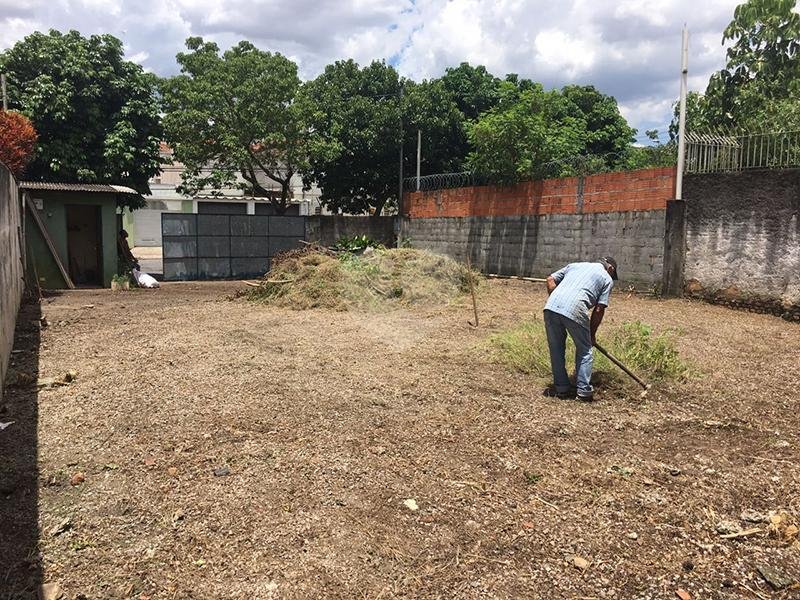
551,392
589,398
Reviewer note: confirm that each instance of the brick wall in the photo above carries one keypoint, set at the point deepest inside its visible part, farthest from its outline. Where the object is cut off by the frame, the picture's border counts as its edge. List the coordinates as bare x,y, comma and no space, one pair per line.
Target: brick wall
743,239
536,227
647,189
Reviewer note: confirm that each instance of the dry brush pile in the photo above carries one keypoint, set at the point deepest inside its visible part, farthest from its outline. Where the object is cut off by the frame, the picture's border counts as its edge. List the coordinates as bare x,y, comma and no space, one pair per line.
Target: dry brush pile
317,277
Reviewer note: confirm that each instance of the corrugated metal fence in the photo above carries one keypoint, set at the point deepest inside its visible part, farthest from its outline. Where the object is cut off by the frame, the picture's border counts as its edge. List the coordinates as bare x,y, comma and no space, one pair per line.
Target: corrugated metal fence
204,246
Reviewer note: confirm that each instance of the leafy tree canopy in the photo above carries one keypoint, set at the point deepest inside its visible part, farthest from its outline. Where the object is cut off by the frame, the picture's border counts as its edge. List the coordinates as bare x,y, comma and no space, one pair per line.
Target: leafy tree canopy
233,120
535,133
760,84
473,89
354,114
96,114
429,108
17,141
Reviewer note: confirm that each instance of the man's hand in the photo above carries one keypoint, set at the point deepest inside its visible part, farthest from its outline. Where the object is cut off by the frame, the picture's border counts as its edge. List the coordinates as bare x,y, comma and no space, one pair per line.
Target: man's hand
551,285
597,318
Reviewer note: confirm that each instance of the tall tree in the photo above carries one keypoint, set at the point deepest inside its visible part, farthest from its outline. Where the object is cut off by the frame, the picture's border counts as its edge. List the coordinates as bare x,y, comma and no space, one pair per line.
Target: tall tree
355,118
96,113
233,120
760,84
473,89
607,132
532,133
429,108
17,141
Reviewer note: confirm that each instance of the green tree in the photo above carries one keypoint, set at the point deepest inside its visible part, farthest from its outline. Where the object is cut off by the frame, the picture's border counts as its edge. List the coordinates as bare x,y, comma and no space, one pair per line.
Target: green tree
234,120
96,114
607,132
428,107
655,154
760,84
473,89
355,115
532,133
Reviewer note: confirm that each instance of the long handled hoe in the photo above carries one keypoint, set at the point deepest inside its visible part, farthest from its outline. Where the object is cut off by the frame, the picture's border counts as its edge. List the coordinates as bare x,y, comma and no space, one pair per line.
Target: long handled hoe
617,362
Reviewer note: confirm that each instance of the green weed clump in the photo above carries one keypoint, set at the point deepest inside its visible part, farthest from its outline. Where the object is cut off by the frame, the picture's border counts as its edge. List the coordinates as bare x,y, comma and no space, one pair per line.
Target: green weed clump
651,356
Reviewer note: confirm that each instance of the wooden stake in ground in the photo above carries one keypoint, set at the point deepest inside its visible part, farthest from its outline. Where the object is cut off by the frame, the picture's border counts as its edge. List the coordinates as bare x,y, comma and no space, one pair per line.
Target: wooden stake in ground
472,291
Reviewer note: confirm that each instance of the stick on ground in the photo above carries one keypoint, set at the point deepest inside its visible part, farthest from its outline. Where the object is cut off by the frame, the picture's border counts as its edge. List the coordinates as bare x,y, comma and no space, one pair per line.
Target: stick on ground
472,291
519,277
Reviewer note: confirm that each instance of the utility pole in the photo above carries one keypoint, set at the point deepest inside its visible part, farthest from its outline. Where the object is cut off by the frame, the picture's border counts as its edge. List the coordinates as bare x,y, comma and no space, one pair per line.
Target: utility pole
682,115
419,153
400,166
3,85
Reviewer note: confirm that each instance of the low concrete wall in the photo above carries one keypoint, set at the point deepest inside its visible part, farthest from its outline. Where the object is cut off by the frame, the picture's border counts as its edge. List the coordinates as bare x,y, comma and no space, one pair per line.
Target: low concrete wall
11,265
328,229
743,239
538,245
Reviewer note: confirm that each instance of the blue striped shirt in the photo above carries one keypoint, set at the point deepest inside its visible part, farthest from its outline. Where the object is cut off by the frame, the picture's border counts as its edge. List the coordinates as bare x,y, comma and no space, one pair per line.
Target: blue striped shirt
581,286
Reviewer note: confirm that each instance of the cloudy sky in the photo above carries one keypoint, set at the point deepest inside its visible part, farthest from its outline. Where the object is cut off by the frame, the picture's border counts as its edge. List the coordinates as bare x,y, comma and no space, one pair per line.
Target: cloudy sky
627,48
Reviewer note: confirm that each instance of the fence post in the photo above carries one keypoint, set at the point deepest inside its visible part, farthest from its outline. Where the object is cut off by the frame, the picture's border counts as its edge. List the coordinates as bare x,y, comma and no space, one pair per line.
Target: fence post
674,249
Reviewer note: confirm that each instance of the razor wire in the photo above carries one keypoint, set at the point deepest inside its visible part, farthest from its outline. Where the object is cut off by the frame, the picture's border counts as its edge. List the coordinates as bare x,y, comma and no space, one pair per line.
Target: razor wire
571,166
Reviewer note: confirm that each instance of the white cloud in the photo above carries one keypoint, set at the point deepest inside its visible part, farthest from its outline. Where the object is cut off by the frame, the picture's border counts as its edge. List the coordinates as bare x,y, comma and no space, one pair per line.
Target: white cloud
559,51
627,48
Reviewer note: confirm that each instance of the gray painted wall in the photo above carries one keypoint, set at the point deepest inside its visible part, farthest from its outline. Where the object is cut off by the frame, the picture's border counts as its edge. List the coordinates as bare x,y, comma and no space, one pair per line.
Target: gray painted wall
538,245
11,261
743,236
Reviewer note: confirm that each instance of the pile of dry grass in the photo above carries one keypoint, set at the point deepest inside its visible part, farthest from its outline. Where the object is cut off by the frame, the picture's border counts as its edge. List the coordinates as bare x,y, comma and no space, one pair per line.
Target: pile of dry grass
316,278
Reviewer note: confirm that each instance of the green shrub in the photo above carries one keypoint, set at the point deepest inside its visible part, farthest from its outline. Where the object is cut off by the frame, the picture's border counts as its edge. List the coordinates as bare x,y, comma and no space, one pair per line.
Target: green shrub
356,243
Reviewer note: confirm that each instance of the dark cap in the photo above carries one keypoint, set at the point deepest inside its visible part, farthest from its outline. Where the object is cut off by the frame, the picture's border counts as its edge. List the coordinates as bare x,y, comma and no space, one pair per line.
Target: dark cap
612,263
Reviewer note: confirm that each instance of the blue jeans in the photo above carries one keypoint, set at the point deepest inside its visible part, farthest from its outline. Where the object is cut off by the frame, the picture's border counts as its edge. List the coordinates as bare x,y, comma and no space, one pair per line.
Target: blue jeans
557,326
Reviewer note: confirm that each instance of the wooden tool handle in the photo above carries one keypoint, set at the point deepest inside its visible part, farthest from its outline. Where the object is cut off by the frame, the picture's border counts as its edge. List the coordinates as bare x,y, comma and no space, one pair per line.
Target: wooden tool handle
621,366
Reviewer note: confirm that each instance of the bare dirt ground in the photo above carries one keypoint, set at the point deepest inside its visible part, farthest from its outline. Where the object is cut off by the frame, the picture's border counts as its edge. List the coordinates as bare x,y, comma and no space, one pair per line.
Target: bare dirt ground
321,426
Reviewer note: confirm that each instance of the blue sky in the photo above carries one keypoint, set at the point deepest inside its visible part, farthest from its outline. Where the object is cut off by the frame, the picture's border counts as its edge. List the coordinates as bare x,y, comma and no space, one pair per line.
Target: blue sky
627,48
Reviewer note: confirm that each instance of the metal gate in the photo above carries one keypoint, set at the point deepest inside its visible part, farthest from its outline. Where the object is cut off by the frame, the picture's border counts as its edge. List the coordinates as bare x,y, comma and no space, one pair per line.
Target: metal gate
206,246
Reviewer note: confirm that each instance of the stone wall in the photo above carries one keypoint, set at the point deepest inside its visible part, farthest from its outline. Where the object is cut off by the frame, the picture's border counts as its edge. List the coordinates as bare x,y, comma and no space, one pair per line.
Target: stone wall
11,265
743,239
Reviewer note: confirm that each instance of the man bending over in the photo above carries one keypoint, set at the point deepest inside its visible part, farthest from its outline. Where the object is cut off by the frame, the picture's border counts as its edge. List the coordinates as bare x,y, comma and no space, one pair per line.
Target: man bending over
574,290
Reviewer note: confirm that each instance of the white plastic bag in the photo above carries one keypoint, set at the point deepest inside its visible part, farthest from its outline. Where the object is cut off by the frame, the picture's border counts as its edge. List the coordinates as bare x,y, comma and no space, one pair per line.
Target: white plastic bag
144,280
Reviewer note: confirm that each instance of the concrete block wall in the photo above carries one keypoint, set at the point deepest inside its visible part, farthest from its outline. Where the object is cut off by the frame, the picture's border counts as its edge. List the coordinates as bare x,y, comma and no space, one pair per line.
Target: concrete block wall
328,229
11,265
535,246
743,239
536,227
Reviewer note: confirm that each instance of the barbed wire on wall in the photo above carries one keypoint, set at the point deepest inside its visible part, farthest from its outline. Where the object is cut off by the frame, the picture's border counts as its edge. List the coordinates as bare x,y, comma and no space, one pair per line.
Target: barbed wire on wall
571,166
